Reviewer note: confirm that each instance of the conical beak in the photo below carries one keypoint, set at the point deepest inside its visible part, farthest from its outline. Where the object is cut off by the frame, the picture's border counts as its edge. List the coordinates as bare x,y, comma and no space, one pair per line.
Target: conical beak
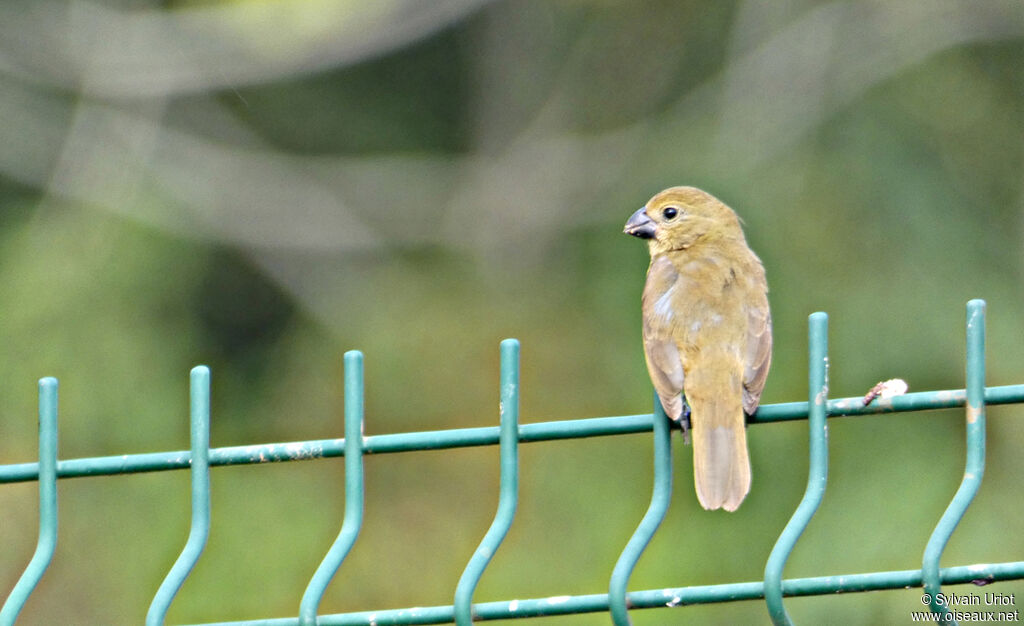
639,225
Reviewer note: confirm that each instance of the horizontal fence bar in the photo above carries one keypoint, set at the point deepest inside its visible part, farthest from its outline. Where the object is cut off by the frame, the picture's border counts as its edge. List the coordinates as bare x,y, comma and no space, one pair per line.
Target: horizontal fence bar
654,598
483,436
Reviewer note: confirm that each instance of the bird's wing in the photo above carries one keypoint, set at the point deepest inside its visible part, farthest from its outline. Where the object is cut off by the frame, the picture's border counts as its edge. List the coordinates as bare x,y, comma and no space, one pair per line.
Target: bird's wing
663,361
758,355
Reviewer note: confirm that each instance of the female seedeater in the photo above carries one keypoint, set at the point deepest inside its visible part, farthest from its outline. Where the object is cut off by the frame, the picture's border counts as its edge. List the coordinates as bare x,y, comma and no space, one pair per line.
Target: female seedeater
707,332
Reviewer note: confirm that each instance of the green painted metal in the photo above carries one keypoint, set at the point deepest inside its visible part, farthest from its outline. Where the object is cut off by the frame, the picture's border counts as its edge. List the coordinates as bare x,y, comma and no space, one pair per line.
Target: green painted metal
47,543
975,467
659,598
354,491
974,397
484,436
199,531
509,485
661,496
817,476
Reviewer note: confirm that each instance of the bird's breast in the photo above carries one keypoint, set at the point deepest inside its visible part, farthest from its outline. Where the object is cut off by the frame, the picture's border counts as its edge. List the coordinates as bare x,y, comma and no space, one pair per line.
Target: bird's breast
700,301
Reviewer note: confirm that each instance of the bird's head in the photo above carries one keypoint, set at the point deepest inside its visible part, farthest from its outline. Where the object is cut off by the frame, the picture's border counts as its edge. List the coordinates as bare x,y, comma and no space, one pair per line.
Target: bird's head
680,217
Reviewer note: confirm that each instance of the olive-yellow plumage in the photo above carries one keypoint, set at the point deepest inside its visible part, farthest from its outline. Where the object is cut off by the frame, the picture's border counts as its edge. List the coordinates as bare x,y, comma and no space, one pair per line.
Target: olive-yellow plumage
707,331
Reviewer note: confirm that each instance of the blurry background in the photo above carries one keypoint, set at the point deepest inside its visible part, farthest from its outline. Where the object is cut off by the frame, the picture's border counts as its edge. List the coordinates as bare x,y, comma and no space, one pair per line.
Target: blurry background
260,186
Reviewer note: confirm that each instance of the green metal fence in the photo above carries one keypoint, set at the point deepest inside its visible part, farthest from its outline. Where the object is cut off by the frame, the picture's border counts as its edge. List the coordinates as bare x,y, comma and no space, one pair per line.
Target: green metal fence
617,601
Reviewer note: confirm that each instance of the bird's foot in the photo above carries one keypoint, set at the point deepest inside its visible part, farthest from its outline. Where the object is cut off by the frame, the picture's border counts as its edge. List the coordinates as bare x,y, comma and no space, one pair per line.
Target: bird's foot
684,423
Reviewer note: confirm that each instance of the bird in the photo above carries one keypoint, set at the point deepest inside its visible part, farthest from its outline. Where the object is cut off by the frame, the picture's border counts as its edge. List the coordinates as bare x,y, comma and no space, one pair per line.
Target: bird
707,332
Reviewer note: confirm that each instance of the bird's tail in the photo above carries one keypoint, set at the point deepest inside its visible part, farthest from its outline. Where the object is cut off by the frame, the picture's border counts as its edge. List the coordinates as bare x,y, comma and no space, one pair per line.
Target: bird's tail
721,463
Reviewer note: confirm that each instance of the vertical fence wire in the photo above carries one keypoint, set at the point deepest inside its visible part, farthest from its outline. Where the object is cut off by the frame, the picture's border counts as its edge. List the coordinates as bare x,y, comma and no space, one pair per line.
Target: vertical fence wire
47,543
509,491
661,496
817,377
354,491
975,466
199,530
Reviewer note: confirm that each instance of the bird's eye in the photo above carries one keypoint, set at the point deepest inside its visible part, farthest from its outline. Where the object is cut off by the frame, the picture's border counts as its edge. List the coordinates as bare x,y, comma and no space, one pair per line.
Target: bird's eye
670,212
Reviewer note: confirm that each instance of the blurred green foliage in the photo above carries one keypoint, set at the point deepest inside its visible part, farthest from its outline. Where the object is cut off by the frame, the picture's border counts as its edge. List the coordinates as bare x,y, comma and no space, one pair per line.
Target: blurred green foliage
261,186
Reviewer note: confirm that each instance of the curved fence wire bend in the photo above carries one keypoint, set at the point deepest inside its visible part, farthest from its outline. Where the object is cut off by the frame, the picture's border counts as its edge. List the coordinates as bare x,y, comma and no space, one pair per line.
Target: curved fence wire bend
508,435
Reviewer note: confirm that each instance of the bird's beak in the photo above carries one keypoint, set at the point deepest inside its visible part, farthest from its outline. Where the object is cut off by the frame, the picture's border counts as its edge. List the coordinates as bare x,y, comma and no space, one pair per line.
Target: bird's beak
639,225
